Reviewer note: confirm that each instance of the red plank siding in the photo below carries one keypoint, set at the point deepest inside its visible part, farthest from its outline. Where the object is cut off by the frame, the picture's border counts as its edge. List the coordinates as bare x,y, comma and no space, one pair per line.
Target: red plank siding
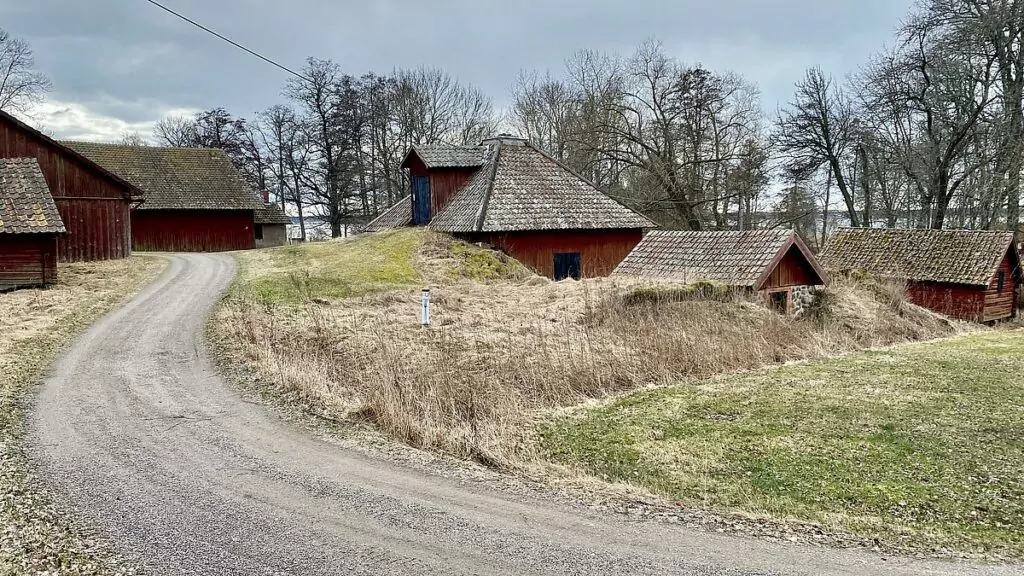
600,250
956,300
792,270
192,230
444,184
27,260
93,205
1000,305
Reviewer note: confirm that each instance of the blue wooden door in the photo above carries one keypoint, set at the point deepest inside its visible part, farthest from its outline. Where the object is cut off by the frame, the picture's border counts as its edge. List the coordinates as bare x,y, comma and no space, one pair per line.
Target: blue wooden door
567,265
420,200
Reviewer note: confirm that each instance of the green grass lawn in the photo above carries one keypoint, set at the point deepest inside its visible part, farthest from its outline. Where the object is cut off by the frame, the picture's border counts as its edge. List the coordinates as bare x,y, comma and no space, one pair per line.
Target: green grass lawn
920,446
331,270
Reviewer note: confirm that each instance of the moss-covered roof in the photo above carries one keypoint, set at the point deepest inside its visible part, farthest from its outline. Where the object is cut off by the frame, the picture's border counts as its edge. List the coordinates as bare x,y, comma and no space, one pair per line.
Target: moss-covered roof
175,178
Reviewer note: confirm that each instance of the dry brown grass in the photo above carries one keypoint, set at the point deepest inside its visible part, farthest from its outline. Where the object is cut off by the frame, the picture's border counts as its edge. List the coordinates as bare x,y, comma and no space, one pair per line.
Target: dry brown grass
500,353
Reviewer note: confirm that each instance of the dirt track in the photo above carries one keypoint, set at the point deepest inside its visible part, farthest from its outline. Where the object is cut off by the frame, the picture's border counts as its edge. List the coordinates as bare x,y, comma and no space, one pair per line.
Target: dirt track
144,441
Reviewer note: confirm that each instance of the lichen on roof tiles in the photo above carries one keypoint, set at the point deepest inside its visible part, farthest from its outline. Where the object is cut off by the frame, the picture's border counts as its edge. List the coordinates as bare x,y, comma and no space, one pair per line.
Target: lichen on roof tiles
27,207
730,257
922,255
175,178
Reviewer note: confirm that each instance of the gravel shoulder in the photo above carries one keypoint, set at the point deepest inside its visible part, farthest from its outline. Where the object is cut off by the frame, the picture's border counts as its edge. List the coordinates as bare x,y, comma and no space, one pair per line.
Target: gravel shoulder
141,437
34,537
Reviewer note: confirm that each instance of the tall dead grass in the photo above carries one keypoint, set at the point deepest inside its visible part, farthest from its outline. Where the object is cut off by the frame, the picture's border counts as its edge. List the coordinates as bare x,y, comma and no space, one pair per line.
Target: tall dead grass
497,355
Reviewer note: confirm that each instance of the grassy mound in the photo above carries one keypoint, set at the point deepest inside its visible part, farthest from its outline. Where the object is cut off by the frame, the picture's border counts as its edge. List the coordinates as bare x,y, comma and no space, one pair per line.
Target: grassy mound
330,270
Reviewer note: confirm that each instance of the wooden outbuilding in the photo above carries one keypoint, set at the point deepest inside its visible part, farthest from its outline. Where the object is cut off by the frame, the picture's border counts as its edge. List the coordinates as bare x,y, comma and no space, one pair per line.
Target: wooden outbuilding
93,203
968,274
30,226
512,196
769,262
196,200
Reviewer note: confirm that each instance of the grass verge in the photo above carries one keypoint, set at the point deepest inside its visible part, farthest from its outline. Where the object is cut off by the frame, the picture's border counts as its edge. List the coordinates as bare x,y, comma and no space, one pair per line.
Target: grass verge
920,447
34,539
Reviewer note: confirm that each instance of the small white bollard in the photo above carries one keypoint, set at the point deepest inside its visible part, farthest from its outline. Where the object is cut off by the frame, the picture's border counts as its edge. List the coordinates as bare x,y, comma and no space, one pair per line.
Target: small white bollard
425,307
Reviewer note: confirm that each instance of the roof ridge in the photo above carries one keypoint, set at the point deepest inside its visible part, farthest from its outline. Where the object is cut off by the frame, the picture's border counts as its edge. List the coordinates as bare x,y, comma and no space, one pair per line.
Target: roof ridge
482,215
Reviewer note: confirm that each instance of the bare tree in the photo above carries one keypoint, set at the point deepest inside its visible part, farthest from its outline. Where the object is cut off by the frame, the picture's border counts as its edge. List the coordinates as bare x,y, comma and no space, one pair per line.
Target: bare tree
816,131
21,87
129,138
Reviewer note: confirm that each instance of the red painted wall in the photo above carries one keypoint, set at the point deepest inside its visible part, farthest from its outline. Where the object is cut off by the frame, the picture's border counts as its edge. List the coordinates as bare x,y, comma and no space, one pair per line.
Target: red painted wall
192,230
600,250
1001,305
27,260
443,185
792,270
93,206
956,300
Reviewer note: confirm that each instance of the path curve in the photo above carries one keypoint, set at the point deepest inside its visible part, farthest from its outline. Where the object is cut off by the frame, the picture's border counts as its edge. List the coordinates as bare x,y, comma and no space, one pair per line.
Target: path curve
140,438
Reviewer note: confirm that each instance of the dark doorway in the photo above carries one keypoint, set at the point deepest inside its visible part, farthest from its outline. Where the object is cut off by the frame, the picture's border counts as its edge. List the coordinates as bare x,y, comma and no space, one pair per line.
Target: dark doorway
259,231
420,200
779,301
567,265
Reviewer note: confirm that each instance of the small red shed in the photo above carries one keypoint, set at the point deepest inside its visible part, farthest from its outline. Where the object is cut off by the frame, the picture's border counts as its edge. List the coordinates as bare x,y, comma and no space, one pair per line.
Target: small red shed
196,200
771,262
968,274
93,203
29,226
511,195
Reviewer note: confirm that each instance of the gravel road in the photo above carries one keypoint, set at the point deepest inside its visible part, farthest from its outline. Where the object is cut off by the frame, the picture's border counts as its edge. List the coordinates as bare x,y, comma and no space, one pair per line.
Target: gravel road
142,440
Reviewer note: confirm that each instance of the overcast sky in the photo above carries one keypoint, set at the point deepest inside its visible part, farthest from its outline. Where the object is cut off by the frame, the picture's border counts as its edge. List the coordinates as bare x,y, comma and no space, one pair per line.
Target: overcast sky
120,65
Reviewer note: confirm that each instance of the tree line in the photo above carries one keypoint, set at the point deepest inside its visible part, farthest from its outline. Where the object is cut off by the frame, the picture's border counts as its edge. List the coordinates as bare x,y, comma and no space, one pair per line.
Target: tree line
928,133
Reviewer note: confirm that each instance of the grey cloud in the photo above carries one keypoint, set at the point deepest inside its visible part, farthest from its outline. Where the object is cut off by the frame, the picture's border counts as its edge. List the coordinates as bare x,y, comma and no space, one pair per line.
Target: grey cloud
129,60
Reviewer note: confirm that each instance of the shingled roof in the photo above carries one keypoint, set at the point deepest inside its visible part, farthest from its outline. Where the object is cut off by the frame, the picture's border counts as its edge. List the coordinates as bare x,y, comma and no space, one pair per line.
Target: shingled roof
175,178
742,259
270,213
442,156
397,216
26,206
521,188
947,256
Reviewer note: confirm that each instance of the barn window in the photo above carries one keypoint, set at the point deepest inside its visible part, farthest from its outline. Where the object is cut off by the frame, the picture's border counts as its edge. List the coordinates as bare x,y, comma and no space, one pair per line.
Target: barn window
1001,281
567,265
259,231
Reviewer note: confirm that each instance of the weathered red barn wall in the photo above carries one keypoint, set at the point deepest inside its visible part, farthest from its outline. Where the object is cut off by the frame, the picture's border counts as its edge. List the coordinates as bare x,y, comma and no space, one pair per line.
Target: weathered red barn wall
94,207
192,230
600,250
27,260
956,300
792,270
443,184
1000,305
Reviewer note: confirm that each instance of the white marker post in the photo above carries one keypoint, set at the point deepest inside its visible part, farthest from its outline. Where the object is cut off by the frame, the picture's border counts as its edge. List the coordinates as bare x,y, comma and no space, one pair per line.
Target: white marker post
425,307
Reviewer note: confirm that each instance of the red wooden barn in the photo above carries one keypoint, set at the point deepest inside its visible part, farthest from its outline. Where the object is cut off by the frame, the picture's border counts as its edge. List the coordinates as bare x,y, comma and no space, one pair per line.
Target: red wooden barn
196,200
29,226
770,262
969,274
512,196
93,203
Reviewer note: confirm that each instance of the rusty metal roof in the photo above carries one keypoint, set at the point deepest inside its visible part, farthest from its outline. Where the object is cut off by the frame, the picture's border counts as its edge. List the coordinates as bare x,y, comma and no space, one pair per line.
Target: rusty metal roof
521,188
743,259
26,206
175,178
947,256
442,156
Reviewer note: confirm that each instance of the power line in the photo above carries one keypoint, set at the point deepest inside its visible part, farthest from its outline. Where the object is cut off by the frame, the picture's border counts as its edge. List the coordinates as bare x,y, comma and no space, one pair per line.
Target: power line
228,40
